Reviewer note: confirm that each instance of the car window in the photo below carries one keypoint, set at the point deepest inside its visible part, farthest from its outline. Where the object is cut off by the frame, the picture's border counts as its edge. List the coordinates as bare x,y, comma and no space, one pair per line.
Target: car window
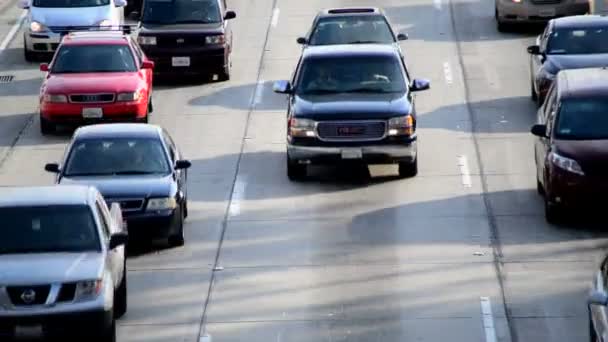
69,3
57,228
138,53
93,58
105,225
352,30
181,11
578,41
372,74
549,102
170,146
582,119
112,156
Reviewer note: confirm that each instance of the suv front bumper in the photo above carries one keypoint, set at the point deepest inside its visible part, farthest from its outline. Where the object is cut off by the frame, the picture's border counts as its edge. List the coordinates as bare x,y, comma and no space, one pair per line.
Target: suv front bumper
381,154
42,42
529,12
79,323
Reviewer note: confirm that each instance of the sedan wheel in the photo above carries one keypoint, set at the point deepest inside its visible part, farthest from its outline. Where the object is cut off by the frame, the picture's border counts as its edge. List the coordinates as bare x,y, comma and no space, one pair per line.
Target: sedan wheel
177,239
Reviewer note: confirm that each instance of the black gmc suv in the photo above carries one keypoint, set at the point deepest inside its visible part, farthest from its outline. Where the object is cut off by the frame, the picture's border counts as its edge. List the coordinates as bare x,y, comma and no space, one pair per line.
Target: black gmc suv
351,103
187,36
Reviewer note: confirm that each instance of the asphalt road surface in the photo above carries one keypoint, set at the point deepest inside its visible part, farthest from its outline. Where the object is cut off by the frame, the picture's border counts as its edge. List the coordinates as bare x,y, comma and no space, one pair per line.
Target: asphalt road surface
459,253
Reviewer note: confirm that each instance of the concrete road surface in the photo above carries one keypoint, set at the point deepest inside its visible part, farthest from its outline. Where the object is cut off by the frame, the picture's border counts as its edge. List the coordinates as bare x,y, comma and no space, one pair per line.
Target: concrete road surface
459,253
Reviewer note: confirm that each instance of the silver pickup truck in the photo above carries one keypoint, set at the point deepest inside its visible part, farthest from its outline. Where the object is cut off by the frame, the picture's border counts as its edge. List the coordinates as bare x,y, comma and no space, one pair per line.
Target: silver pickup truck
62,264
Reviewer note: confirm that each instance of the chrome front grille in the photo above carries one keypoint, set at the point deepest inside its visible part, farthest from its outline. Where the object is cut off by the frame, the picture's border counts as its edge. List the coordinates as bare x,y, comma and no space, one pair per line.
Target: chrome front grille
127,204
28,295
351,130
92,98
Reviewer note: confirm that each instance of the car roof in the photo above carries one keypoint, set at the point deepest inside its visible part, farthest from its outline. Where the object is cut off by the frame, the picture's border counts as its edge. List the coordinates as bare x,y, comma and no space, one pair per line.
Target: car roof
349,11
586,82
350,50
45,195
117,130
580,21
96,37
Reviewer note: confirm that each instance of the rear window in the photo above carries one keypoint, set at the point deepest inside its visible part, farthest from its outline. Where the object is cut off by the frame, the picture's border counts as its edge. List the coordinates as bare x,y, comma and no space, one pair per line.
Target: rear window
582,119
93,58
578,41
352,30
48,229
69,3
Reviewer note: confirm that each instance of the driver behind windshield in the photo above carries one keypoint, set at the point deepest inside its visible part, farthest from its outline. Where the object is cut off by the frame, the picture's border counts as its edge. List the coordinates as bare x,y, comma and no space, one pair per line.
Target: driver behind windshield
181,11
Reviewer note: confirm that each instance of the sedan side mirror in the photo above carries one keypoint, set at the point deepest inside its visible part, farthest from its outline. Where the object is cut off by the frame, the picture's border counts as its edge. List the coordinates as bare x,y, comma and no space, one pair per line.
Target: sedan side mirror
52,167
420,84
301,40
44,67
120,3
534,50
182,164
229,15
539,131
282,87
598,298
133,16
402,36
118,239
23,4
147,65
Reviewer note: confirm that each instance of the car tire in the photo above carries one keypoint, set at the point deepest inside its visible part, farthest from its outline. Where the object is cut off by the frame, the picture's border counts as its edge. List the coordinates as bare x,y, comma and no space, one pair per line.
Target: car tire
46,127
408,169
150,105
28,55
533,94
224,74
120,297
592,334
295,171
185,207
553,213
539,188
177,239
501,26
109,335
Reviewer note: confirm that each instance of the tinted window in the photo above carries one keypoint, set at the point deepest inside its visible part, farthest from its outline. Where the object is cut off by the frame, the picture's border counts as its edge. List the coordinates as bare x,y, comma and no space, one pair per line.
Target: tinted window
181,11
70,3
583,119
351,30
94,58
117,156
48,229
351,74
579,41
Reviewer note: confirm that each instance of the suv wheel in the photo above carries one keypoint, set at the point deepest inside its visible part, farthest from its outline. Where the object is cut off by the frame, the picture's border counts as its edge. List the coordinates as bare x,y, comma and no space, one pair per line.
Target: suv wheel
408,169
552,211
150,105
46,127
28,55
224,74
177,239
109,335
533,94
501,26
295,171
120,297
592,334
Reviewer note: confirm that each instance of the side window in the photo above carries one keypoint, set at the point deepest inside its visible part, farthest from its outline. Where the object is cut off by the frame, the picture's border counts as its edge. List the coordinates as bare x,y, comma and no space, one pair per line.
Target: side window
549,104
407,72
170,146
296,71
138,52
102,218
545,38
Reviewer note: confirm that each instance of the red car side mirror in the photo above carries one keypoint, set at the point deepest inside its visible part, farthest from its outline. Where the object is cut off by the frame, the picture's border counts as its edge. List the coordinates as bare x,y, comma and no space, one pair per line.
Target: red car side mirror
147,65
44,67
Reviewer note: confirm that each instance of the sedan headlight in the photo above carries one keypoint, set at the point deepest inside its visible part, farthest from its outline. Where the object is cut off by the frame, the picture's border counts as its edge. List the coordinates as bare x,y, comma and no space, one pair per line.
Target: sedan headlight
302,128
146,40
401,125
566,163
37,27
167,203
88,290
127,97
55,98
215,40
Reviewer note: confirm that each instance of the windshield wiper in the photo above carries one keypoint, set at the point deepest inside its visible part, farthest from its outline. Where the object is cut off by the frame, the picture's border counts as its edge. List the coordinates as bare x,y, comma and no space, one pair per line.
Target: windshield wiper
194,22
365,42
135,172
78,174
368,90
321,91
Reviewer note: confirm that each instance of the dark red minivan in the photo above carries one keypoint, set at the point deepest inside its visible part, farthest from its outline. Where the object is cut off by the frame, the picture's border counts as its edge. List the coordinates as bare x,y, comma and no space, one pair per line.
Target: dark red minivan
571,151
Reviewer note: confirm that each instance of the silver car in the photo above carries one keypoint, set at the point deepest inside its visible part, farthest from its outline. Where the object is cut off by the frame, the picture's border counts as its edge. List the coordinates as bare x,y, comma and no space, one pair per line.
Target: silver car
62,264
48,21
508,12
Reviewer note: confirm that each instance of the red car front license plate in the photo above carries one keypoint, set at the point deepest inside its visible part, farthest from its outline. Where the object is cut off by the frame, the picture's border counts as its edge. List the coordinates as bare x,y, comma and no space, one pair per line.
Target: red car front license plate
92,113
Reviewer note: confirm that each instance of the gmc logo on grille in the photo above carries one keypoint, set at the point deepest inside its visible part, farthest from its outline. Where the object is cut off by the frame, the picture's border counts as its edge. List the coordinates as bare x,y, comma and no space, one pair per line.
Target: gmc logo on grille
351,130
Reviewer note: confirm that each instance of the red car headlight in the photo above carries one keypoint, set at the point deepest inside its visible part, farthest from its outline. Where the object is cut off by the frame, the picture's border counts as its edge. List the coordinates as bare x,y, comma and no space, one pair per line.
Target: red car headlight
55,98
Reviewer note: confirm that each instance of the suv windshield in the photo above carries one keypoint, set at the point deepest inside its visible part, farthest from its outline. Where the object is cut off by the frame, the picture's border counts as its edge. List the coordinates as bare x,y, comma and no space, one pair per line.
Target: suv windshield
69,3
352,30
578,41
583,119
93,58
91,157
370,74
48,229
181,11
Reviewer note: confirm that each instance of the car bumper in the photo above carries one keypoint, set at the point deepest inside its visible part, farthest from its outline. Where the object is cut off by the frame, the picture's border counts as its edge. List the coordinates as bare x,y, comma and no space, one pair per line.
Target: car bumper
46,42
80,323
207,60
154,225
573,190
528,12
72,113
381,154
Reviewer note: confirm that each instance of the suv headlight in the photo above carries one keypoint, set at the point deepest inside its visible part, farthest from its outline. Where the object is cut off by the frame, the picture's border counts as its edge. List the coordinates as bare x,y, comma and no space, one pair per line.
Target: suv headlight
37,27
401,125
566,163
166,203
127,97
88,290
216,40
302,128
55,98
146,40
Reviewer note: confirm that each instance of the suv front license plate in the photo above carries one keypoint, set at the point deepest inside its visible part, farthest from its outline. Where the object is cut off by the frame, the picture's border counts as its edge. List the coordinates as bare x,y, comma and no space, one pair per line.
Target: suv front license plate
92,113
180,61
352,154
29,332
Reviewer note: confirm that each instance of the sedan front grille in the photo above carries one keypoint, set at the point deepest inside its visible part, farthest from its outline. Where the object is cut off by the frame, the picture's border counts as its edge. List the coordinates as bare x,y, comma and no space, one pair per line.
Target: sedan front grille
127,204
28,295
351,130
92,98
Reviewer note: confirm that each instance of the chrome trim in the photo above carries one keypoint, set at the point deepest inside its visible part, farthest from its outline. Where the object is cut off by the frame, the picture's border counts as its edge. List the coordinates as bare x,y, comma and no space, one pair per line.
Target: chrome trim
384,122
109,202
97,94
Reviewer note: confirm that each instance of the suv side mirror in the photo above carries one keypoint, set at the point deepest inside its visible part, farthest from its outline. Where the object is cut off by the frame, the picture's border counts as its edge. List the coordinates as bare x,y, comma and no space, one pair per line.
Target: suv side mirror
534,50
133,16
420,84
120,3
229,15
282,87
402,36
52,167
118,239
44,67
147,65
539,131
301,40
182,164
598,298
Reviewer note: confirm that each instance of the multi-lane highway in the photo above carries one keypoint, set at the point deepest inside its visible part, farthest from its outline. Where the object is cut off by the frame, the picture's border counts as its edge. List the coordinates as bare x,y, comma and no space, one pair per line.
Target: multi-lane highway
461,252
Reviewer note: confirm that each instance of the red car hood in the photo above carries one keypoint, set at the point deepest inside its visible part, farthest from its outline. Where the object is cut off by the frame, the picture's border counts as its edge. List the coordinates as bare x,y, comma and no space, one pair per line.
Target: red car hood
93,83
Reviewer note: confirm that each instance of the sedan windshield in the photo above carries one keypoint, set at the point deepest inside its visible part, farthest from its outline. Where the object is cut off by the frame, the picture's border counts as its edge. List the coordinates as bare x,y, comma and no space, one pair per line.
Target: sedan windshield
578,41
69,3
93,58
96,157
352,30
181,11
351,75
583,119
48,229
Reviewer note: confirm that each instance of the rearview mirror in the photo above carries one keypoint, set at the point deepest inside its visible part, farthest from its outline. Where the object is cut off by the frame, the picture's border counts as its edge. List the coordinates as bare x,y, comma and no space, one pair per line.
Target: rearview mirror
301,40
118,239
147,65
44,67
23,4
182,164
402,36
282,87
598,298
534,50
230,15
120,3
52,167
539,131
133,16
420,84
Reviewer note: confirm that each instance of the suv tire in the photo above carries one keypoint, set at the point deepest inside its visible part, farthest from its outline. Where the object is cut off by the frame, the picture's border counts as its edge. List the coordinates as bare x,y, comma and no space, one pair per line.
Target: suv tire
177,239
224,74
553,214
408,169
295,171
120,297
46,127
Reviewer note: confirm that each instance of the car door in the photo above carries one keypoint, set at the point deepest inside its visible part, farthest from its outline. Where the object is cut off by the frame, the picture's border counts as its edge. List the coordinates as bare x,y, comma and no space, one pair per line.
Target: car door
174,155
542,145
114,258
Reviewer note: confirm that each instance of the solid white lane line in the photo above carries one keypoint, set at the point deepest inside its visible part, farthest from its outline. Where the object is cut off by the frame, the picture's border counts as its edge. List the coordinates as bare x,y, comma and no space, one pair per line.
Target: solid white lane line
205,338
437,4
275,17
11,34
259,92
447,72
464,171
488,319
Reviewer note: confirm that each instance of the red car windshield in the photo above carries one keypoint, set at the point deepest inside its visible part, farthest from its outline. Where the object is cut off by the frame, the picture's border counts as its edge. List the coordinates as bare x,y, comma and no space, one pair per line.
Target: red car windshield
93,58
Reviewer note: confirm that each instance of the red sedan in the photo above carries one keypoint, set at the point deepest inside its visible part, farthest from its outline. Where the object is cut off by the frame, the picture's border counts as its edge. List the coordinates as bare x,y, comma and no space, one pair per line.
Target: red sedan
93,77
